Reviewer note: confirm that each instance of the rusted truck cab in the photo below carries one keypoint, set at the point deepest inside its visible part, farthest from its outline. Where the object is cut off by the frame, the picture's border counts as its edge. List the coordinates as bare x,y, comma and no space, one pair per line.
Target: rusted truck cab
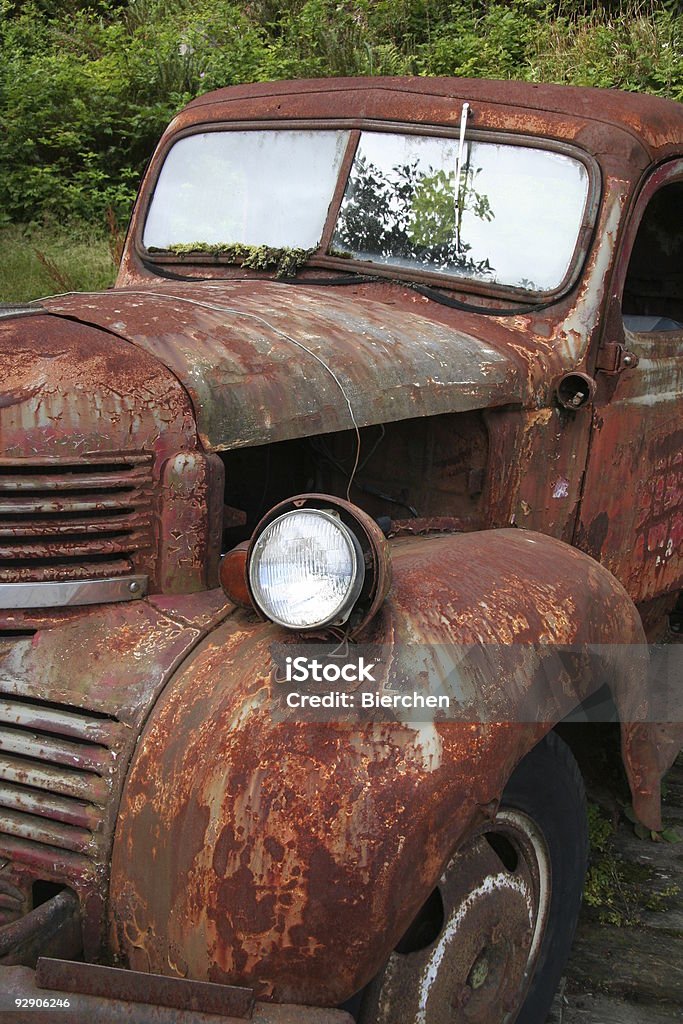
389,384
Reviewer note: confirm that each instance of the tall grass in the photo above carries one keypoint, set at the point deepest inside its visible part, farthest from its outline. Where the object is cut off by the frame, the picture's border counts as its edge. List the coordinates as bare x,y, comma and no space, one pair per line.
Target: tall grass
39,261
636,45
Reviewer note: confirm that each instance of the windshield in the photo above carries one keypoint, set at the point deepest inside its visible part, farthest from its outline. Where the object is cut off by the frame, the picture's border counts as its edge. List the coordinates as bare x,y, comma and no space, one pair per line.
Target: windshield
506,215
512,219
255,188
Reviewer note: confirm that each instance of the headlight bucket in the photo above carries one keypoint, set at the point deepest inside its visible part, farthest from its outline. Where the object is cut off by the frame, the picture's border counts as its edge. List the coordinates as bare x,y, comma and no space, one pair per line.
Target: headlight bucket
344,542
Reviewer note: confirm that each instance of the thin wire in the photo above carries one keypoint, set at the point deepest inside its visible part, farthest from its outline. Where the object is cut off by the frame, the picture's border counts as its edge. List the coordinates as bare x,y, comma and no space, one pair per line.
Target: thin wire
59,295
374,448
271,327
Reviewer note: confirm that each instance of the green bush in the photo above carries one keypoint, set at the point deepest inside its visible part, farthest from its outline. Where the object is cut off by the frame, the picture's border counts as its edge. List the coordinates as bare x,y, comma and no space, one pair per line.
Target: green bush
87,88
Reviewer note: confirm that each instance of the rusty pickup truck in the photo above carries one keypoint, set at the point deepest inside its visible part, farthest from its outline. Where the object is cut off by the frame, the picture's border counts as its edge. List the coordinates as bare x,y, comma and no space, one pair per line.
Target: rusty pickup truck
365,476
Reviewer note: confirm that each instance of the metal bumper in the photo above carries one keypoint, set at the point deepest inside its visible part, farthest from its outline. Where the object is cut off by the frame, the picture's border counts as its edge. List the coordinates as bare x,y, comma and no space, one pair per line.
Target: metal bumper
24,1001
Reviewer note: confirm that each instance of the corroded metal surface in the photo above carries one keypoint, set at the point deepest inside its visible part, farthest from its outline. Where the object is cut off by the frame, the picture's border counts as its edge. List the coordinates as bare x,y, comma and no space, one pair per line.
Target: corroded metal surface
478,968
655,122
291,856
51,927
254,847
192,487
86,422
649,750
260,363
637,439
115,983
73,699
77,392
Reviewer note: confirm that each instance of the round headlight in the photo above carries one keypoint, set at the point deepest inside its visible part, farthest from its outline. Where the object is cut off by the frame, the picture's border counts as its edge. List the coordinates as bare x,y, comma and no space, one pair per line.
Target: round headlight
306,569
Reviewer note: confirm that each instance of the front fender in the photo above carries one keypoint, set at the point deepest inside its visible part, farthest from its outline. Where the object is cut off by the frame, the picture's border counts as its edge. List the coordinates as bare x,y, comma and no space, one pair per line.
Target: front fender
74,698
256,848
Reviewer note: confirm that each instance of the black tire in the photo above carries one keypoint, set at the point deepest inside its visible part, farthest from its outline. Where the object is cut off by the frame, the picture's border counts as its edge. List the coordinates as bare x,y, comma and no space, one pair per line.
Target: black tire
540,832
547,786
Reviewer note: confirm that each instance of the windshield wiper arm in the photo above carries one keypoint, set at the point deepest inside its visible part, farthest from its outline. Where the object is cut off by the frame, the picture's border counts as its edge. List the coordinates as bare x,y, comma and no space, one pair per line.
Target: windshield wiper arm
470,307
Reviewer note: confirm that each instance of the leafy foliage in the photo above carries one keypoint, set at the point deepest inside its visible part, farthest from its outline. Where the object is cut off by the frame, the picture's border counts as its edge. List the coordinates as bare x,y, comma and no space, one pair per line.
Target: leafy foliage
619,891
408,214
86,88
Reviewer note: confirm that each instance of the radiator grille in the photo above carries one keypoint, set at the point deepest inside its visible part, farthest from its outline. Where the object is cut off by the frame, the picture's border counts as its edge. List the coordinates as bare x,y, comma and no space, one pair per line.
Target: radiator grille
56,767
89,519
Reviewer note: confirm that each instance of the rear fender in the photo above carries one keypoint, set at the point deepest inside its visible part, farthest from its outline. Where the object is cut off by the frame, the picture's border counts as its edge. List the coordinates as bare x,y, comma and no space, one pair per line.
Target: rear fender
256,848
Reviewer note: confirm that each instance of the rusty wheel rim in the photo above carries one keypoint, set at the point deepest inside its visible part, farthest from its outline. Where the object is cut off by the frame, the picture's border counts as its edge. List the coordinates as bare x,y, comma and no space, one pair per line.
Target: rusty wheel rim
495,894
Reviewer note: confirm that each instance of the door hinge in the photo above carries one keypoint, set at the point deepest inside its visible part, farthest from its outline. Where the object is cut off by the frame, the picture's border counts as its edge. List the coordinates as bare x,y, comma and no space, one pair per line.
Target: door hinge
614,358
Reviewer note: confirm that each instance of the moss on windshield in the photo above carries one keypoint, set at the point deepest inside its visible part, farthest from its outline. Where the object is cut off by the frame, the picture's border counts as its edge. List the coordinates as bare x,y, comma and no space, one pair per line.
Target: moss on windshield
283,261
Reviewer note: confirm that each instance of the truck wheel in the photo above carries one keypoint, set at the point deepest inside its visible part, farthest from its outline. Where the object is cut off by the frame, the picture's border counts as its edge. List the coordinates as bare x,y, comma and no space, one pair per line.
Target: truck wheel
490,943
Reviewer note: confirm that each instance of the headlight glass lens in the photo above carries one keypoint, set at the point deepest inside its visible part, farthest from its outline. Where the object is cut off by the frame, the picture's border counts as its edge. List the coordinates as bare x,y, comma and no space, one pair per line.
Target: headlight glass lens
306,569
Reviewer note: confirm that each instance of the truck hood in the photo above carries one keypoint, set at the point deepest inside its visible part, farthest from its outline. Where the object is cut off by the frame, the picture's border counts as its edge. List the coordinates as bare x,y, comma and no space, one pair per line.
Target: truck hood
70,392
267,361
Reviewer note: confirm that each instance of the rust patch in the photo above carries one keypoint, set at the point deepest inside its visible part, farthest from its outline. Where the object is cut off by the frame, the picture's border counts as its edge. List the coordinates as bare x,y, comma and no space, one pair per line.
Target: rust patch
243,833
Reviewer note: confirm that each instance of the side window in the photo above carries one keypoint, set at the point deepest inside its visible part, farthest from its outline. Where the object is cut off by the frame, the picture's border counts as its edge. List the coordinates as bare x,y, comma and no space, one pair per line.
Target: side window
653,293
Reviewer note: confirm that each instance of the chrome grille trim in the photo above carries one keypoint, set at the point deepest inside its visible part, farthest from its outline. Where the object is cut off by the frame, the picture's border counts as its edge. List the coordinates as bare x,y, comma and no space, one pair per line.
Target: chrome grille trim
76,592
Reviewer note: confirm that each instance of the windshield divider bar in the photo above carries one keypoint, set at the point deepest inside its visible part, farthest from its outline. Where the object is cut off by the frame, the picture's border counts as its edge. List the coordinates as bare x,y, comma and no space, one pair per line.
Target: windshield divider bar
338,194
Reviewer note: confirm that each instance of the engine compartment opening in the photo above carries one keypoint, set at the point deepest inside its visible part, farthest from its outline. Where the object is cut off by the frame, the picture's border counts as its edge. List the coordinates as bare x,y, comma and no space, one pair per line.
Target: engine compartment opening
424,467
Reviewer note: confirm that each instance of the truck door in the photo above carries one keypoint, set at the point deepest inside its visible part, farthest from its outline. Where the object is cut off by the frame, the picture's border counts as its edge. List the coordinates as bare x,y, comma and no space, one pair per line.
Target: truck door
631,516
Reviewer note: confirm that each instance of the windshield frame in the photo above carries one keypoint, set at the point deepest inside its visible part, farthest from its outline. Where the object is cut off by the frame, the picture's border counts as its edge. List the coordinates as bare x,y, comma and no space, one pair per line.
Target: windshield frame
322,259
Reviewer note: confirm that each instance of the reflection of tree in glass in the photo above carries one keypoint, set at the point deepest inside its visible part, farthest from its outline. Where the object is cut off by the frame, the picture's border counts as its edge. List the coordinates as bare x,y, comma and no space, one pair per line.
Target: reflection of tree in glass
410,215
433,215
